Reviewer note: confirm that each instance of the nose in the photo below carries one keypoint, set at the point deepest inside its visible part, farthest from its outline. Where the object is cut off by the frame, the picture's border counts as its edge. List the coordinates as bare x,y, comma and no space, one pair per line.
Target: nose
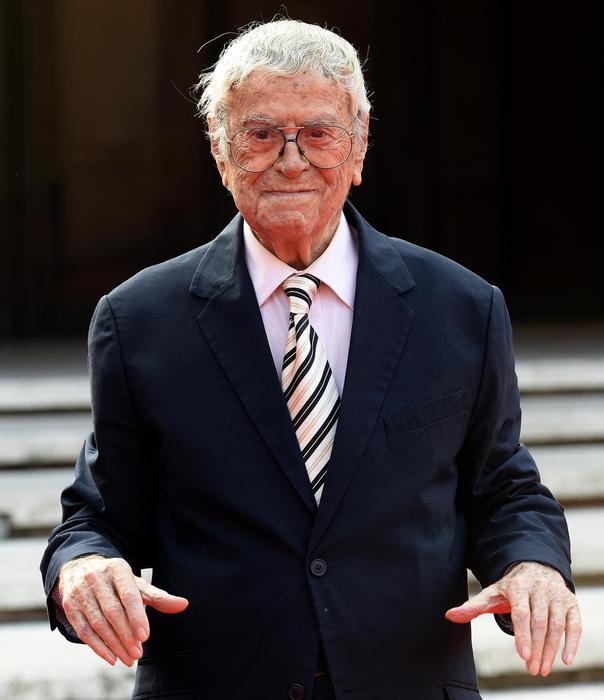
291,162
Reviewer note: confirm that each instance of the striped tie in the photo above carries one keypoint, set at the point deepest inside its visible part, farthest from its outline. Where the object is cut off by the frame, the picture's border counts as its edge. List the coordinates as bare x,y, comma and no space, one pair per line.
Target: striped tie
308,383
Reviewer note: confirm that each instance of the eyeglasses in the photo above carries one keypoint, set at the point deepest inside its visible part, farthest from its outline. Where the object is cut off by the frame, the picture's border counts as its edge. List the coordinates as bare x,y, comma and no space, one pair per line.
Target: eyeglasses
258,148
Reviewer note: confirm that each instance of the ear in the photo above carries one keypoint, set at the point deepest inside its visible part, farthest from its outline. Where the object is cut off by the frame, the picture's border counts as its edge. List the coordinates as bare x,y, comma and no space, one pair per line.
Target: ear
360,149
217,152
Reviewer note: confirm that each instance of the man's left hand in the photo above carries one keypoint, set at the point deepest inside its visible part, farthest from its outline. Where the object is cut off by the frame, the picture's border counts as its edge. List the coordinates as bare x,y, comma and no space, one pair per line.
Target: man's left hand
542,608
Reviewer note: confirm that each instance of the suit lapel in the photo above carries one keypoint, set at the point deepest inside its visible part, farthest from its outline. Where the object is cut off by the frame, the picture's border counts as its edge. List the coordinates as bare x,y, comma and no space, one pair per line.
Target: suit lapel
232,325
382,321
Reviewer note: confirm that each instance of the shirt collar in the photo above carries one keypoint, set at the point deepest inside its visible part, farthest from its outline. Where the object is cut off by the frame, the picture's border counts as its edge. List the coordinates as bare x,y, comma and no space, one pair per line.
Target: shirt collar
335,267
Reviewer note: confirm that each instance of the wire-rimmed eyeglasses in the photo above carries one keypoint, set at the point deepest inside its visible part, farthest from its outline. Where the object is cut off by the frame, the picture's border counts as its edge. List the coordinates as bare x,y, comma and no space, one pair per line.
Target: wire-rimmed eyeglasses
258,148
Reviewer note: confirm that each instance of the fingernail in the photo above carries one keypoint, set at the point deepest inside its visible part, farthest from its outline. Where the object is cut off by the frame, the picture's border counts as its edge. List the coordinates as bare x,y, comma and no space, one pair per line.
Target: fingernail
141,634
570,658
526,653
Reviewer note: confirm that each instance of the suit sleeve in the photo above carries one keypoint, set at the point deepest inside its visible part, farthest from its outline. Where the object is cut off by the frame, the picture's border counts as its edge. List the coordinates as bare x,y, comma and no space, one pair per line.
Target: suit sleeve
511,516
108,508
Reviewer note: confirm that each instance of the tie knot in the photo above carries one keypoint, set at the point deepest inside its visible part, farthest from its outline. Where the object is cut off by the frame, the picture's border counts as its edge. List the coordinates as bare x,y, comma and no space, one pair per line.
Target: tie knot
301,290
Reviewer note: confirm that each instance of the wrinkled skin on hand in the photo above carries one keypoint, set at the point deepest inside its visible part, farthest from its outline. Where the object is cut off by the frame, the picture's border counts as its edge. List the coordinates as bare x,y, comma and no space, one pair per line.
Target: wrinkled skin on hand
104,603
542,608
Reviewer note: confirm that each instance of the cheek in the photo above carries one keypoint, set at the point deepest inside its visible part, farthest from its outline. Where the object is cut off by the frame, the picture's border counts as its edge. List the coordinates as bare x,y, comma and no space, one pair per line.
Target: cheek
337,181
243,183
245,190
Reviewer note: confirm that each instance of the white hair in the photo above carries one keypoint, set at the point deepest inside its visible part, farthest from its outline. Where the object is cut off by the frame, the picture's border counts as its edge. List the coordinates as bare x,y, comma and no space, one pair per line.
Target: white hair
287,47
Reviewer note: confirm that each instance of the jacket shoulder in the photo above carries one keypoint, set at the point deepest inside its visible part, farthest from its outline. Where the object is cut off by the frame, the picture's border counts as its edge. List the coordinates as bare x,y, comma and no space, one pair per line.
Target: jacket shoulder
429,267
444,290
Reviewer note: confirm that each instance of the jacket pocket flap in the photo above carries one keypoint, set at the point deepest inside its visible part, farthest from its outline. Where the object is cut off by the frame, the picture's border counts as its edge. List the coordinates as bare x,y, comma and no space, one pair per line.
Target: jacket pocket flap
454,691
165,695
423,414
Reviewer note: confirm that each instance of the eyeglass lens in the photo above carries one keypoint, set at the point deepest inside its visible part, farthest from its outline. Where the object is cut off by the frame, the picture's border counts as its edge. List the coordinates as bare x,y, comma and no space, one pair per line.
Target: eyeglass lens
256,149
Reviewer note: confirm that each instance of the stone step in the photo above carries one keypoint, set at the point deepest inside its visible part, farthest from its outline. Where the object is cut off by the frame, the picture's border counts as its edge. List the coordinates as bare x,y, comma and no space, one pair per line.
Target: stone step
20,586
39,664
44,394
43,375
20,577
572,472
496,657
29,498
563,691
549,376
29,440
559,357
563,418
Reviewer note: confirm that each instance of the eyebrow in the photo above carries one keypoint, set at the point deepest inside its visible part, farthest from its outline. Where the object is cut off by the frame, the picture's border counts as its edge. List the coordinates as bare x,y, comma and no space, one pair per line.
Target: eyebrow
262,118
315,119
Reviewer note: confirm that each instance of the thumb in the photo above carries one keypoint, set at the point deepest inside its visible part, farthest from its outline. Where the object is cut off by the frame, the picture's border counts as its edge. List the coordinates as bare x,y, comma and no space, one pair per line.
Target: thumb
487,601
159,599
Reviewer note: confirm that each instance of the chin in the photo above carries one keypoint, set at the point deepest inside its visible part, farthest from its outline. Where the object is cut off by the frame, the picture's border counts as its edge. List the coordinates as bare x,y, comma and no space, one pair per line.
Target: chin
290,224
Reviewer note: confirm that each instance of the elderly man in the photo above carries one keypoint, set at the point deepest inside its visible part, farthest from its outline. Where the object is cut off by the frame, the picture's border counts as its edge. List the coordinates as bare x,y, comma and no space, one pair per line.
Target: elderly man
308,430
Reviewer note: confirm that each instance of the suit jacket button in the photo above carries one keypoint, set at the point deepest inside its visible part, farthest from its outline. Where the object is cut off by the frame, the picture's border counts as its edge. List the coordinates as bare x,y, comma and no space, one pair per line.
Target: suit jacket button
318,567
296,692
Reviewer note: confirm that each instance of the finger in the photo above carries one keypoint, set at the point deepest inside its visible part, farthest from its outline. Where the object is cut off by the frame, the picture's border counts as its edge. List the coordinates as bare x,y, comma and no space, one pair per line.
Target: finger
87,635
115,615
113,611
539,619
487,601
521,620
555,628
96,619
159,599
130,597
573,635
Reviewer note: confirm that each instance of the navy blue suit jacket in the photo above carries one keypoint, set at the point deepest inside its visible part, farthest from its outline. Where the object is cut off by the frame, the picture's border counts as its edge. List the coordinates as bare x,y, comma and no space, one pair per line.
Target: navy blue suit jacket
194,469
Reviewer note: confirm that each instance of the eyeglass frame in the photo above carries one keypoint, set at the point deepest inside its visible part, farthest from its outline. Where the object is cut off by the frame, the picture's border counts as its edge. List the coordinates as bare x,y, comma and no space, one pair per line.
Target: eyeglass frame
281,129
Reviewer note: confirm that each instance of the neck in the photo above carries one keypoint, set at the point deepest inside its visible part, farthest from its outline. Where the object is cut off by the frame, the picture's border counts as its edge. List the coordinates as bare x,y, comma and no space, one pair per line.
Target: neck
301,252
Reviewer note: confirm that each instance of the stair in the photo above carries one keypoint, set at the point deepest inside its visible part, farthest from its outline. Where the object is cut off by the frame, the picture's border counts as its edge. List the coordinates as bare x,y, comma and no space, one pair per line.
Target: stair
45,416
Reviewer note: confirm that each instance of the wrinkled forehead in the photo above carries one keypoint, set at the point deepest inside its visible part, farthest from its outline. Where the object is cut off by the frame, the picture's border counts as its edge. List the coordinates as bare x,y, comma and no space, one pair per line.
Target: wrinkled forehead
267,96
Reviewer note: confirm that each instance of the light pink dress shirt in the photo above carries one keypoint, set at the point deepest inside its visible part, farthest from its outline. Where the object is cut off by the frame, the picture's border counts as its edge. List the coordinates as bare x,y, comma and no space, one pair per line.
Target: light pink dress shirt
332,308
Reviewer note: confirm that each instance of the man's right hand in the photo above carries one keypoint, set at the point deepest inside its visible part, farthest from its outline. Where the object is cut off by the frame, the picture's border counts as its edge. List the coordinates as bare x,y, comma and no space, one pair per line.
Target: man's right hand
104,603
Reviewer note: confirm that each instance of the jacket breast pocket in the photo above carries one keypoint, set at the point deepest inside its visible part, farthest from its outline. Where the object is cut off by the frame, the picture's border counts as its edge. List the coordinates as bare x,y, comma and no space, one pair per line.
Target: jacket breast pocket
424,414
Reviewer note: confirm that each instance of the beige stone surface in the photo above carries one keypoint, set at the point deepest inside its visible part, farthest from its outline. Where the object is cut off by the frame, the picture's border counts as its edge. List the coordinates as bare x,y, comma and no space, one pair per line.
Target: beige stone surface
560,374
42,439
565,691
572,471
563,418
30,497
37,664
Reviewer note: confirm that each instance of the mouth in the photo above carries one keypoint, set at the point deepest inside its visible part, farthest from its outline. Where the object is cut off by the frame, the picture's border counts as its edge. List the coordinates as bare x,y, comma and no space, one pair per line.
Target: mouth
288,193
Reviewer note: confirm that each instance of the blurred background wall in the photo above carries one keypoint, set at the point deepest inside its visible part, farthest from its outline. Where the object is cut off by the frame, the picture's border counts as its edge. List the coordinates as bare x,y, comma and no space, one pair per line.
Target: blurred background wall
486,144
